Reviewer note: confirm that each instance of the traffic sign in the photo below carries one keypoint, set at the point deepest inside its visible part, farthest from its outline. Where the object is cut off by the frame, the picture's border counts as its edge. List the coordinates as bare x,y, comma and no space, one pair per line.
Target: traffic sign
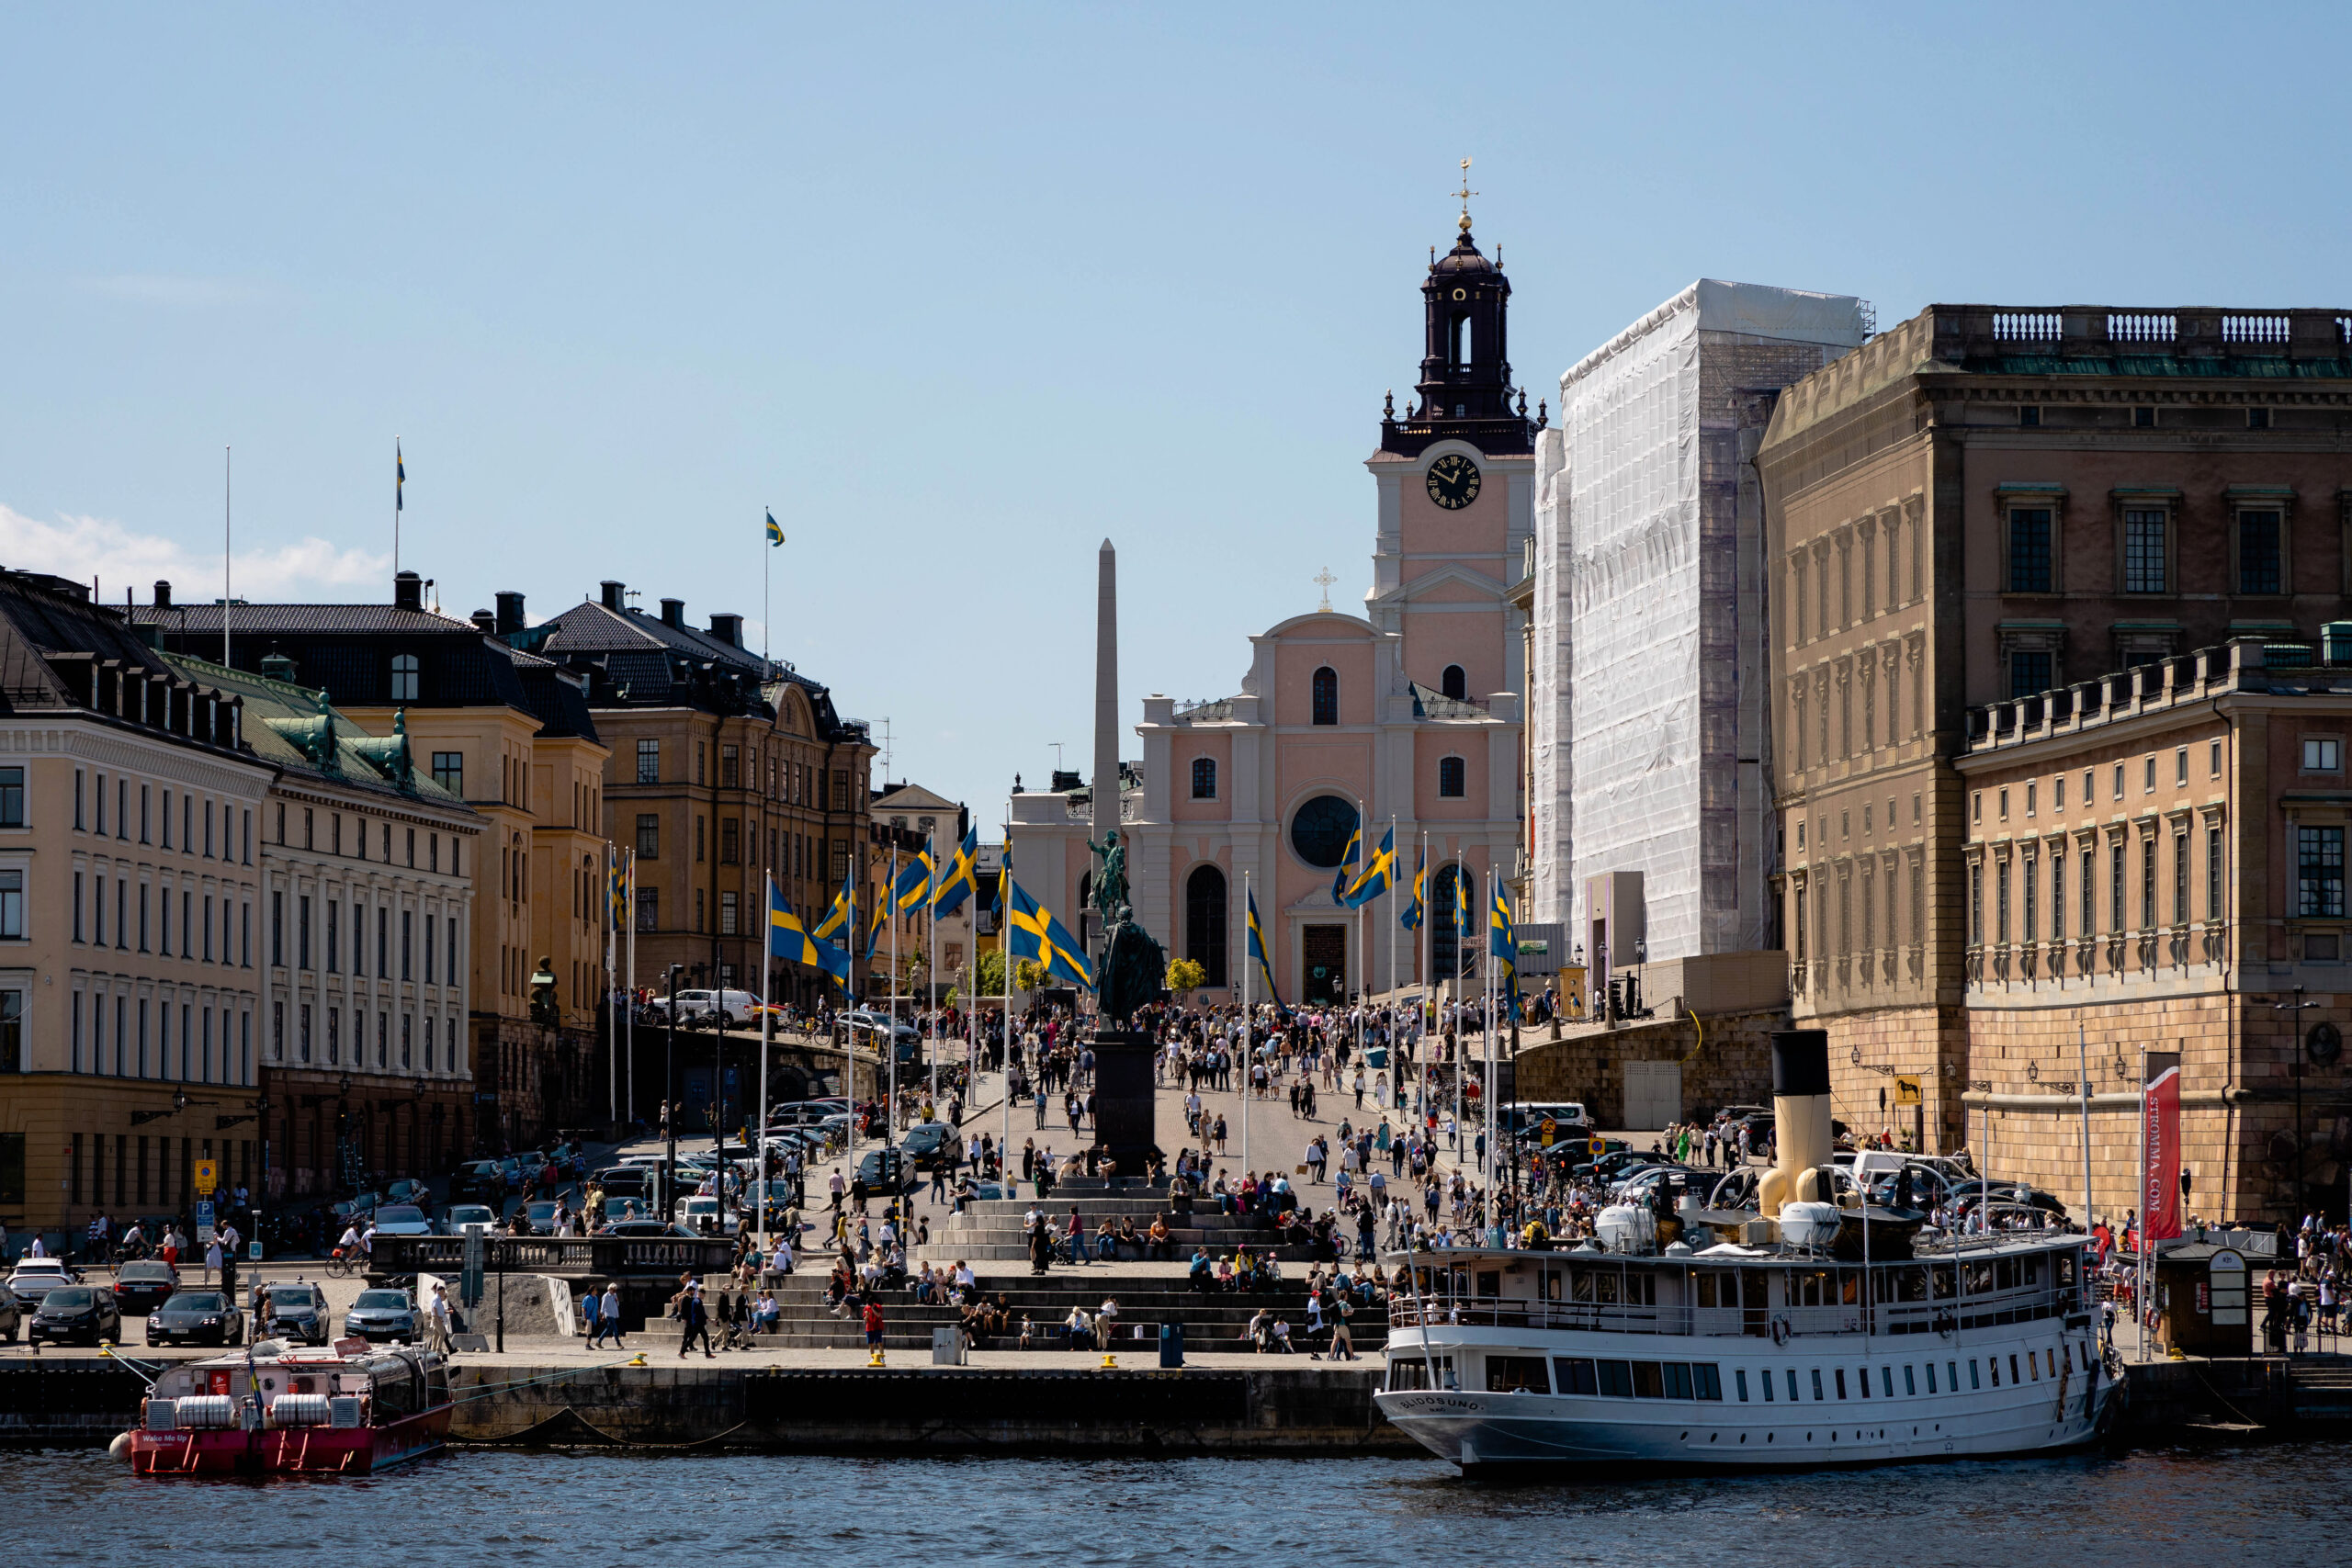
204,1214
1550,1127
1599,1146
208,1176
1906,1091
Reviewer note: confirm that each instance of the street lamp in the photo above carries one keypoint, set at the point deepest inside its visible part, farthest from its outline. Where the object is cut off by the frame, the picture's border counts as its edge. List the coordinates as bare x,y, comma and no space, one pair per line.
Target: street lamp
2296,1033
670,1095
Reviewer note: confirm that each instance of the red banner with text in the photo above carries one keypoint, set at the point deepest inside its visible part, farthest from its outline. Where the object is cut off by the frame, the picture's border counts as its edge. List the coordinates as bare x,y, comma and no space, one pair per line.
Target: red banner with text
2160,1137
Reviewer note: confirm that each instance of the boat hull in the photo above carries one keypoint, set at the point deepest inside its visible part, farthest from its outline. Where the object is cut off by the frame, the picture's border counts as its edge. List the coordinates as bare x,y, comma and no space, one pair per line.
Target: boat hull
314,1451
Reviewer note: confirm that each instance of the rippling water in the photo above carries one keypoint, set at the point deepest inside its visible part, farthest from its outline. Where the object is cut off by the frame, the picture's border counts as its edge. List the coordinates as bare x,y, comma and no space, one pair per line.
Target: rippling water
2268,1505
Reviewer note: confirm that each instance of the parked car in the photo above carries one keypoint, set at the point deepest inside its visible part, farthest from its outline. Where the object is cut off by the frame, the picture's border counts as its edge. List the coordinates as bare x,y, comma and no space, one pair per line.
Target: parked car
474,1182
801,1112
71,1313
144,1284
625,1181
357,1208
34,1278
409,1190
402,1219
902,1177
537,1216
14,1310
698,1009
869,1026
382,1314
196,1317
923,1141
459,1218
296,1311
703,1216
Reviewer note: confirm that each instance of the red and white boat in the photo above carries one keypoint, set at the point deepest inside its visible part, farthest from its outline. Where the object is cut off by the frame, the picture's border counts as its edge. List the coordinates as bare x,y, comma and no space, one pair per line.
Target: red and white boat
347,1409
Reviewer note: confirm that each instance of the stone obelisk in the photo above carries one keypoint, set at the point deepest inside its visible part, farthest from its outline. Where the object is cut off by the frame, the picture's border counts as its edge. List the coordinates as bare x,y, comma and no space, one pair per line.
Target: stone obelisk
1106,694
1123,1103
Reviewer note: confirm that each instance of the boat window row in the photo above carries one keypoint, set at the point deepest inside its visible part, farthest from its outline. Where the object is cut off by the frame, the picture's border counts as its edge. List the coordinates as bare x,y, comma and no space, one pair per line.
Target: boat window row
1597,1377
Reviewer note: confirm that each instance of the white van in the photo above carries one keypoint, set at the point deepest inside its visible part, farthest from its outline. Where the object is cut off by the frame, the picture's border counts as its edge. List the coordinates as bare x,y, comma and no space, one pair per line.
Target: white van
1528,1117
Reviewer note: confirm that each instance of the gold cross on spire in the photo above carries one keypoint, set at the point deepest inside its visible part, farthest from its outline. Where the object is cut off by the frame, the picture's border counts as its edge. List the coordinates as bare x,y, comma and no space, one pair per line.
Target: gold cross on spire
1325,579
1466,192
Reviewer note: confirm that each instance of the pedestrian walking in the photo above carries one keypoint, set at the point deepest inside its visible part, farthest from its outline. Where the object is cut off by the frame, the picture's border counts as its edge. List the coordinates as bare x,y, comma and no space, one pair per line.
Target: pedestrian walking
437,1321
694,1314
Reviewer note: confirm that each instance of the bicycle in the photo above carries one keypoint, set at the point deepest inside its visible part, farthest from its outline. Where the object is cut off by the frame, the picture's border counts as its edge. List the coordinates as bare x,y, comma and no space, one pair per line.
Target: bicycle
344,1262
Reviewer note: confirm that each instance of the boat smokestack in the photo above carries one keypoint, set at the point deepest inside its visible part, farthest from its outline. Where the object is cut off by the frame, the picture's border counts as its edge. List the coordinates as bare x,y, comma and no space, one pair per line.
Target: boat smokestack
1801,1142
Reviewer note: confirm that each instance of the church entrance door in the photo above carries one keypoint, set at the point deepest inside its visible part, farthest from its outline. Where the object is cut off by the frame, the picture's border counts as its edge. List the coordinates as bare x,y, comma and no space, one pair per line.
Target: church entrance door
1324,951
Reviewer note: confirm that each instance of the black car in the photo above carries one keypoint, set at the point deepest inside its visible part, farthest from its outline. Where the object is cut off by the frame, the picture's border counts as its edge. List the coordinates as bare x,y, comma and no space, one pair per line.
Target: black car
901,1167
476,1183
141,1287
14,1310
71,1313
297,1310
196,1317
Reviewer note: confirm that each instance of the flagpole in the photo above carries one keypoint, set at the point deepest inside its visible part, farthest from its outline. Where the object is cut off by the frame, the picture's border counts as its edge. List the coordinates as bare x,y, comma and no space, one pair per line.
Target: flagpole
1395,1077
399,473
931,975
612,990
628,893
1004,946
890,1106
1249,1043
228,556
1486,1098
1458,1052
1423,1009
767,1029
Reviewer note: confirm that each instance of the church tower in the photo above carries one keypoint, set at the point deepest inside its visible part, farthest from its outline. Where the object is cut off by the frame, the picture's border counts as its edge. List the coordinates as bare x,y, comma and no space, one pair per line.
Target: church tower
1464,389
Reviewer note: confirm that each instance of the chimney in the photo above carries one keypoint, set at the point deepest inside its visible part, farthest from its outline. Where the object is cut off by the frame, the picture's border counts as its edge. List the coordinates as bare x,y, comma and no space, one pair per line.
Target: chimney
611,595
277,667
484,623
1802,1137
674,612
162,593
408,590
510,611
727,629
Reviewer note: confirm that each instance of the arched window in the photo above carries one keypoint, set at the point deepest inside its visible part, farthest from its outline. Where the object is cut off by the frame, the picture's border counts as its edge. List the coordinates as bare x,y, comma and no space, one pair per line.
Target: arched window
403,677
1204,778
1462,341
1449,778
1204,911
1455,683
1327,695
1451,890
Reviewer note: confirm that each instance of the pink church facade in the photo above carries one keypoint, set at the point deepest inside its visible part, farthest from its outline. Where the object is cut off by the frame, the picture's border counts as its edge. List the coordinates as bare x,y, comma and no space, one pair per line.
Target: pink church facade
1409,713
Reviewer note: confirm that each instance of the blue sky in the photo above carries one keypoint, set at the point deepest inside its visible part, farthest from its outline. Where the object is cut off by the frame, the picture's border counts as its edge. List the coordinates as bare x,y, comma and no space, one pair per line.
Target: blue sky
960,291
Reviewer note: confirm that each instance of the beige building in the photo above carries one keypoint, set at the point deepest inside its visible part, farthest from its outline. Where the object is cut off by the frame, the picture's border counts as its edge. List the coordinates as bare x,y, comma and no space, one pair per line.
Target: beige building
129,873
939,823
2154,863
1987,503
726,768
366,887
509,735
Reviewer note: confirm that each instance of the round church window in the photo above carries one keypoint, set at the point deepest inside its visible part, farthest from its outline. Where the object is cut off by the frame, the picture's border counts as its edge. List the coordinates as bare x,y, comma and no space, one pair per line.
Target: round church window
1319,830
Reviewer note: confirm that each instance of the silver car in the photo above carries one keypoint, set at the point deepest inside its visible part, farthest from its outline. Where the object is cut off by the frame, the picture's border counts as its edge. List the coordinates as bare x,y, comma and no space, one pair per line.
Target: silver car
382,1314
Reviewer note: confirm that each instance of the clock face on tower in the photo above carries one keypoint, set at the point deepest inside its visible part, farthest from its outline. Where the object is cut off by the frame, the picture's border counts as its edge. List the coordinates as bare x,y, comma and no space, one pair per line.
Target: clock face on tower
1453,481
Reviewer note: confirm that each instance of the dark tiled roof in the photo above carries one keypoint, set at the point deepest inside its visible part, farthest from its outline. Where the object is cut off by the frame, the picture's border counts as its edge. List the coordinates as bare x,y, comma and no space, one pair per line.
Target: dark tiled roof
258,618
635,659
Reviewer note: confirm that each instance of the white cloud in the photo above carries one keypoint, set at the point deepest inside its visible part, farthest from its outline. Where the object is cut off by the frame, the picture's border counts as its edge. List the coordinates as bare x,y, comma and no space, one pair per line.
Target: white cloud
80,547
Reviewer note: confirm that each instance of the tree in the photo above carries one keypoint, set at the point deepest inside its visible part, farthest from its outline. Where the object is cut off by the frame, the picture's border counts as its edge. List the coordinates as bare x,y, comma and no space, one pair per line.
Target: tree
1186,976
1027,975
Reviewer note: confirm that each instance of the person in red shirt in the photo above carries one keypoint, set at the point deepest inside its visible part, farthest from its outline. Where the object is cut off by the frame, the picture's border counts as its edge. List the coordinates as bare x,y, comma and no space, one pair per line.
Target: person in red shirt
872,1325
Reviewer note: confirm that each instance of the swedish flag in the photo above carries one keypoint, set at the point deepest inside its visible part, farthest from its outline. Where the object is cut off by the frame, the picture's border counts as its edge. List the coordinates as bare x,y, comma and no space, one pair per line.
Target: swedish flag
776,535
1465,921
1417,908
841,918
1502,944
787,939
874,927
1037,936
618,874
1346,878
1257,956
399,478
956,881
1379,873
913,884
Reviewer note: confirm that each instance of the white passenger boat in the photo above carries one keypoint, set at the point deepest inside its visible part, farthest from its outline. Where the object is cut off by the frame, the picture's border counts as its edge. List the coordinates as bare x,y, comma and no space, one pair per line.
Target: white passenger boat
1786,1348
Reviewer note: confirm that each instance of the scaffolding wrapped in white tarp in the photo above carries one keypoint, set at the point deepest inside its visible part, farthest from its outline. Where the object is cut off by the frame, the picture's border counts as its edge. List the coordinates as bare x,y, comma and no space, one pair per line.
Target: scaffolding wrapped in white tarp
1649,711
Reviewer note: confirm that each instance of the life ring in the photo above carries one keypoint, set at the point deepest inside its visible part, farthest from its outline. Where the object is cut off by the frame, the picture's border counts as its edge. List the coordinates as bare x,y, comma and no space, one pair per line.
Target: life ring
1782,1332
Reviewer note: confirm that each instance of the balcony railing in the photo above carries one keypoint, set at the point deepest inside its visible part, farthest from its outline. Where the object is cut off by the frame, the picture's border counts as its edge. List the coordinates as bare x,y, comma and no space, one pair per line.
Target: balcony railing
572,1255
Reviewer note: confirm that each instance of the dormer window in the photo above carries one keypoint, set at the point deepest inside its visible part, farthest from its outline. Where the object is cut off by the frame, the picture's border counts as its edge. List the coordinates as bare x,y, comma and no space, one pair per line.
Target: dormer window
403,678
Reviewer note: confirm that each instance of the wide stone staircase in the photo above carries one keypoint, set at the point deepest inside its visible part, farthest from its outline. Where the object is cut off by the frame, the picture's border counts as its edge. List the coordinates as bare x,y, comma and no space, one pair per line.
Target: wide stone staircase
1215,1321
990,1231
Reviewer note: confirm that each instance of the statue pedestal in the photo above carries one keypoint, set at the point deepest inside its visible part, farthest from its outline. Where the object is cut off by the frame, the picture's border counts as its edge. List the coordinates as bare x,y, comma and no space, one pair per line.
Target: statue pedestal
1123,1098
